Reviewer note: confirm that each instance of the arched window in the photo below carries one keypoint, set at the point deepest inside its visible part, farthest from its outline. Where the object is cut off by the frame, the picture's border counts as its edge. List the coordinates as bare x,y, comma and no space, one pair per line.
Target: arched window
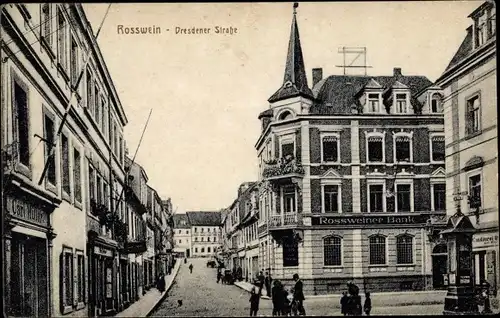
202,239
196,239
377,250
196,250
203,250
404,249
285,115
436,104
332,251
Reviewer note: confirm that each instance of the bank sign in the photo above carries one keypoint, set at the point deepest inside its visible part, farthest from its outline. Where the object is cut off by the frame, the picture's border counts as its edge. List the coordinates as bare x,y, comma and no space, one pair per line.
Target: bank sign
362,220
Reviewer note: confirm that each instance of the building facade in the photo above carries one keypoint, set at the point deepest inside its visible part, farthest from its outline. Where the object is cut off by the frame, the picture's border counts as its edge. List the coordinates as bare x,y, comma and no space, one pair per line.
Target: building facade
352,179
470,107
205,227
182,236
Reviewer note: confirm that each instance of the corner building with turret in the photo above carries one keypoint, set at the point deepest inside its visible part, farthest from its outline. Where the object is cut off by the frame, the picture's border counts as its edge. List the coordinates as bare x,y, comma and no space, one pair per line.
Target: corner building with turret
352,180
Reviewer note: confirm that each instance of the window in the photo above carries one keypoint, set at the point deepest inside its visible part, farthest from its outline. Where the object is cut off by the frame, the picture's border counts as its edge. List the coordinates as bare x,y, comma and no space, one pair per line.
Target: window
475,191
201,230
285,115
104,120
376,198
66,263
187,232
91,183
439,199
290,252
437,148
98,189
46,19
330,149
61,39
287,148
289,199
195,229
215,239
208,249
65,164
202,239
332,251
90,101
81,278
77,183
203,250
97,106
401,106
196,239
180,241
481,32
436,105
331,198
21,123
49,131
473,115
74,62
375,149
404,249
403,149
403,192
491,23
373,103
196,250
208,239
377,250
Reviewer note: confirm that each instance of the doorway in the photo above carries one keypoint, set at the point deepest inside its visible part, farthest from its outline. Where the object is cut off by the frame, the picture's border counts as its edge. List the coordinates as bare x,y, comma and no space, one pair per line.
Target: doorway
439,266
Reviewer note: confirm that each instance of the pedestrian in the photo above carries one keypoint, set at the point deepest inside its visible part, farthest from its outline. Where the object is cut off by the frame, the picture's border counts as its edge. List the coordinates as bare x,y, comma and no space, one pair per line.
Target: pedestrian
287,303
191,268
267,281
254,302
367,308
343,303
277,297
218,275
260,280
161,283
298,295
185,260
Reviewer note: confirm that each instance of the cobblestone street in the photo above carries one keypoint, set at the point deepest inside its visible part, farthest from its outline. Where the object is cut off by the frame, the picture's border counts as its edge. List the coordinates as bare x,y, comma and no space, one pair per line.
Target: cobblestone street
202,296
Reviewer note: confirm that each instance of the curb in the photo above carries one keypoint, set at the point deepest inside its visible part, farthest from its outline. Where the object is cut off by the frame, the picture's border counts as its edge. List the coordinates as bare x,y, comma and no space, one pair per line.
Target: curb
167,288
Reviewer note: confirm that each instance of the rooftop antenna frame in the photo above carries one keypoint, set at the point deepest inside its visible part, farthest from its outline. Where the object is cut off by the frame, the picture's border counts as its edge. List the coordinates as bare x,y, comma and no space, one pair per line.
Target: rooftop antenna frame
357,51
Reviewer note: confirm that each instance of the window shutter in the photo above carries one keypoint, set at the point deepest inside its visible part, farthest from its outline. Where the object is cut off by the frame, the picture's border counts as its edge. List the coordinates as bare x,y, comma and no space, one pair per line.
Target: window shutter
86,282
62,282
74,272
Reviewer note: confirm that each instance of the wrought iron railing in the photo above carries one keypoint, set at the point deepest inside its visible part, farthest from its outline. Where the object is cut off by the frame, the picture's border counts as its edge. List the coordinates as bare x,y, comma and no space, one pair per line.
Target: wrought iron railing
285,219
282,167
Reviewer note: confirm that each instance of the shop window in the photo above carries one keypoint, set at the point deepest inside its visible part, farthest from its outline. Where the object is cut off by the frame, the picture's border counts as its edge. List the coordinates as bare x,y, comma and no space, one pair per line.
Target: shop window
437,148
403,149
375,149
290,252
21,122
439,193
376,197
403,192
330,149
404,249
66,263
377,250
473,124
49,132
332,251
331,198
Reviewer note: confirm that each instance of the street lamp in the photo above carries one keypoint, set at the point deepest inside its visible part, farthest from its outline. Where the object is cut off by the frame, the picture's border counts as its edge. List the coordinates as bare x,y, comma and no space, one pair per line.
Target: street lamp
460,298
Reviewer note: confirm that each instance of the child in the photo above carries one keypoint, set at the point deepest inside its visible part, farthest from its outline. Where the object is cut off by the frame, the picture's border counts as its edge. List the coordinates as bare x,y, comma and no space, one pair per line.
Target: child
368,304
254,302
286,306
343,303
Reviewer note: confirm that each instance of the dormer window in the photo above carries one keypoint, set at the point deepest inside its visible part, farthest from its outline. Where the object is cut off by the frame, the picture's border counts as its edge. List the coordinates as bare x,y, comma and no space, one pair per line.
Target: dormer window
482,31
485,26
401,104
374,103
285,115
436,105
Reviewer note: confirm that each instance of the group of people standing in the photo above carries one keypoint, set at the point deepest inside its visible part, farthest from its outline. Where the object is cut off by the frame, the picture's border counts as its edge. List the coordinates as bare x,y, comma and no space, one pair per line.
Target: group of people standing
350,303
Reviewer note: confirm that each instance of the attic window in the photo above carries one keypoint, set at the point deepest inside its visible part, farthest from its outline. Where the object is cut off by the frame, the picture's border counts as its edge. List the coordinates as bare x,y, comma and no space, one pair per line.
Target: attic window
285,115
400,103
436,106
374,103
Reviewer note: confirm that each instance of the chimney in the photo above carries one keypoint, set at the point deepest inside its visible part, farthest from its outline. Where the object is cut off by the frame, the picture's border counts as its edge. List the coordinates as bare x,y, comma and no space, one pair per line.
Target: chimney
317,75
397,72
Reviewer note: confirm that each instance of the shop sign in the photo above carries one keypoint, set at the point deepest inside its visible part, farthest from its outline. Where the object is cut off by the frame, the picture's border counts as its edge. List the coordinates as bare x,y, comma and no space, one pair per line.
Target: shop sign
484,240
27,211
103,251
343,220
135,247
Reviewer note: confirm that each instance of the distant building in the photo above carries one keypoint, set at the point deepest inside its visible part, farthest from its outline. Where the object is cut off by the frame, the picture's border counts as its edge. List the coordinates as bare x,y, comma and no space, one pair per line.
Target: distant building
351,172
469,86
182,236
205,227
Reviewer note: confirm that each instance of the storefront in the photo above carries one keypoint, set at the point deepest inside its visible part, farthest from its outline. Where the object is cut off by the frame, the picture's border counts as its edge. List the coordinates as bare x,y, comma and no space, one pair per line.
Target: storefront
27,246
485,256
124,282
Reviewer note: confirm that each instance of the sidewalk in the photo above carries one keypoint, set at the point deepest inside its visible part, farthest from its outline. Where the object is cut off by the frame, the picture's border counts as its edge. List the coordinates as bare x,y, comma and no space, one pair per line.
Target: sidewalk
428,297
148,302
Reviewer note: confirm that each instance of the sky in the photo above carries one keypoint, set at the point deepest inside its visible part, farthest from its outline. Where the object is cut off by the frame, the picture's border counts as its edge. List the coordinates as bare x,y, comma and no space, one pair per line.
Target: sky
206,90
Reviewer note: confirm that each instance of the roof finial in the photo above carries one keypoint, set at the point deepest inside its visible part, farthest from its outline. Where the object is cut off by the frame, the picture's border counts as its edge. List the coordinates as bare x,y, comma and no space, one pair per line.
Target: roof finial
295,6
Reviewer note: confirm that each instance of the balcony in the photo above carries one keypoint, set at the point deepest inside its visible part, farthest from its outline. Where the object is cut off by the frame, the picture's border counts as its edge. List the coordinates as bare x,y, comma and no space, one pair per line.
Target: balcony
285,221
282,169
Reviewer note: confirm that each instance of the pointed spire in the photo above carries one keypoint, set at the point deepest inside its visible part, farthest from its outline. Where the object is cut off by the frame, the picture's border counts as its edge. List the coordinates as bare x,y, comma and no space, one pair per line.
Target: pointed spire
295,80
